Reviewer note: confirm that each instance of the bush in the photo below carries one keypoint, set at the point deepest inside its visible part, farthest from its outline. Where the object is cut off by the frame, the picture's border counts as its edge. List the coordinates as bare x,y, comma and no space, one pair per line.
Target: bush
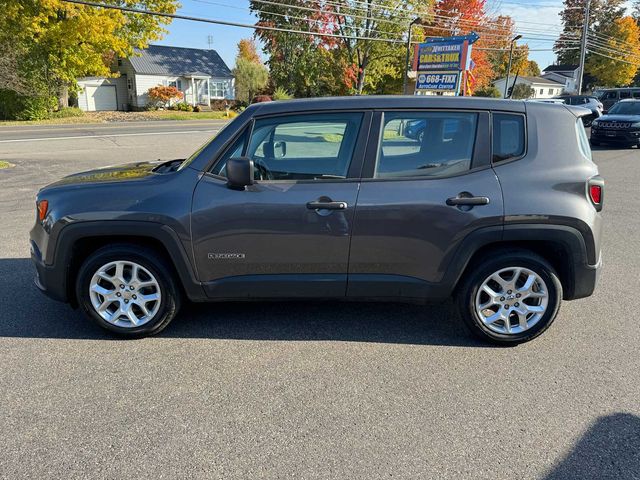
281,94
261,98
161,95
18,107
67,112
196,108
491,92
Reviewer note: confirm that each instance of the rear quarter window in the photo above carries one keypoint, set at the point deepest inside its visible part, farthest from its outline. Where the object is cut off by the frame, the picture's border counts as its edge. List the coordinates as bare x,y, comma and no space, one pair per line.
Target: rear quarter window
508,140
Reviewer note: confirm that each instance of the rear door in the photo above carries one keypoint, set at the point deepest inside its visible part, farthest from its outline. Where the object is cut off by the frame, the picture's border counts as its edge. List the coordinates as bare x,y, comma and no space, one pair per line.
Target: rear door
422,197
288,234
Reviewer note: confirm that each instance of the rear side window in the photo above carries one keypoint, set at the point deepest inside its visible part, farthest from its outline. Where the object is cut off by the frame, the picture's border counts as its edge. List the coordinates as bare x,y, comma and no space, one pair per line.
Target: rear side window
583,141
426,144
508,136
626,94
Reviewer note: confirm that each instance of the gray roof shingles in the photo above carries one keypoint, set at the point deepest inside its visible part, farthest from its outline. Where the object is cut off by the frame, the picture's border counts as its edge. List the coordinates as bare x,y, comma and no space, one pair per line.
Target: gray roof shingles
179,61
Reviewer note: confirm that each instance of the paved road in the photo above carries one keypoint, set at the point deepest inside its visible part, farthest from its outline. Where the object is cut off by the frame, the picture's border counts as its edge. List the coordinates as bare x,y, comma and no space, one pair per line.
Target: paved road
312,390
48,133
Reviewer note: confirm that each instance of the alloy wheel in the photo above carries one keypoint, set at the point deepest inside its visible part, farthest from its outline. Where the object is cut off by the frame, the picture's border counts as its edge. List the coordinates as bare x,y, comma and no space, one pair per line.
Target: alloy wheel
125,294
512,300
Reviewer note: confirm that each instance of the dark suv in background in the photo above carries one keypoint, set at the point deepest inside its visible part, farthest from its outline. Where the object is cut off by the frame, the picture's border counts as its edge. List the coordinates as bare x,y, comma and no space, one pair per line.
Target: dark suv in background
620,126
497,203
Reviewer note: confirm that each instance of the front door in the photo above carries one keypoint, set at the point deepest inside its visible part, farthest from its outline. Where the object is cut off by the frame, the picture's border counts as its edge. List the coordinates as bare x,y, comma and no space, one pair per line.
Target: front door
288,234
429,184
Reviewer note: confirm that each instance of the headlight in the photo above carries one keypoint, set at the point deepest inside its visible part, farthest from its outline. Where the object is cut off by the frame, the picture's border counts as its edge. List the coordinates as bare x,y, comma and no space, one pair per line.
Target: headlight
635,125
595,123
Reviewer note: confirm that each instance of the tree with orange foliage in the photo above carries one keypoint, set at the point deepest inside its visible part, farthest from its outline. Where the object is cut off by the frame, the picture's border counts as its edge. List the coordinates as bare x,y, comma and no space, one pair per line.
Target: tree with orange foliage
161,95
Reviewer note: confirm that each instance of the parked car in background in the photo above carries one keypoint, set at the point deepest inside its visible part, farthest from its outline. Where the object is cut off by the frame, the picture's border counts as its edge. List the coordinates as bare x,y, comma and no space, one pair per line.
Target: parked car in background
620,126
610,96
585,101
497,203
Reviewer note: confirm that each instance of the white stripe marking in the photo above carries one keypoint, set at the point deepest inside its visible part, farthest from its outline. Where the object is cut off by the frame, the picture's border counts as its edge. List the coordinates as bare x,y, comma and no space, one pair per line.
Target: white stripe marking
107,136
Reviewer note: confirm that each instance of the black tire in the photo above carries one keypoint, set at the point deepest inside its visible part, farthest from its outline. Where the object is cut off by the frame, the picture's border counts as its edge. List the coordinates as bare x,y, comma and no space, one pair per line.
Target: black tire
147,258
478,272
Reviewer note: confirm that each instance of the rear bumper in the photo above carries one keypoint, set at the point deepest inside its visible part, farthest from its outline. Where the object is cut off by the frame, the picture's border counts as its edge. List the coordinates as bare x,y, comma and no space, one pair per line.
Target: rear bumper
585,280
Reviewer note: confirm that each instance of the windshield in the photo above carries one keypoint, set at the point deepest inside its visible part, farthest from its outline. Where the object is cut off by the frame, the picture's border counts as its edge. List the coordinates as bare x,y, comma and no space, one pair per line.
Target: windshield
626,108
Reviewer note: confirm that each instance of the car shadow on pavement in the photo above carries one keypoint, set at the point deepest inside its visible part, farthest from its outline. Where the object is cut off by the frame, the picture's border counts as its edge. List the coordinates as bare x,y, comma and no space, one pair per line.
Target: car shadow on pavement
610,449
26,312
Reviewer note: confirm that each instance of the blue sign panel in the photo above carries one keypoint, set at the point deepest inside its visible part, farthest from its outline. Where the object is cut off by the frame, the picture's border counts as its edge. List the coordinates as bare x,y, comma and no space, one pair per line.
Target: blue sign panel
444,53
440,81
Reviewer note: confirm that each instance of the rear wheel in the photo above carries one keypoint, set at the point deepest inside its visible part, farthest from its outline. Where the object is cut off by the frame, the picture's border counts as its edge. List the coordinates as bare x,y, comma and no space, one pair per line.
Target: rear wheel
128,290
511,298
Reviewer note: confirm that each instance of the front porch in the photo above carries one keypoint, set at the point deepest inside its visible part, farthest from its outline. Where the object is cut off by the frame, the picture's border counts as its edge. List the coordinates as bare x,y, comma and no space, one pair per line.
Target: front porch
200,89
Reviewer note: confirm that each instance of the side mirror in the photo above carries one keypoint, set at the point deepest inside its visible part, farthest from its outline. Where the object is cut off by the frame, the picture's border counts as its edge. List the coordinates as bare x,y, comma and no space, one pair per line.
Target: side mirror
239,172
280,149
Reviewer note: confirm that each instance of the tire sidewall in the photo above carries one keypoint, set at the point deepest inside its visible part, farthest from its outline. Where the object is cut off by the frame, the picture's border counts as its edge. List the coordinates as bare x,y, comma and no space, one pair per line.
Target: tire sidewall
168,291
541,268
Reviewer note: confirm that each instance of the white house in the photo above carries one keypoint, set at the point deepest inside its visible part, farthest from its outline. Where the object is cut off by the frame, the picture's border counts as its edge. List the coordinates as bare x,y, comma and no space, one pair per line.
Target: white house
201,75
567,74
542,87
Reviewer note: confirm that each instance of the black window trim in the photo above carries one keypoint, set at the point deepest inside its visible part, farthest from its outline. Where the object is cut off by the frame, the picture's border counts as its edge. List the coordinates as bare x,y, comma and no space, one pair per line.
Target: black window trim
354,171
526,139
480,159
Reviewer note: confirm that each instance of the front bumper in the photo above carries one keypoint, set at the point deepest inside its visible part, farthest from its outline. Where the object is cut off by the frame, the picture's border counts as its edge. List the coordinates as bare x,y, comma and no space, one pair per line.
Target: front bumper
629,137
49,281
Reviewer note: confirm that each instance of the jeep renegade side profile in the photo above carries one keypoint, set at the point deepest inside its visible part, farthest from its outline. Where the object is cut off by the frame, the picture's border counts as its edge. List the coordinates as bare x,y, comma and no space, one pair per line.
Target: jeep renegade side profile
496,202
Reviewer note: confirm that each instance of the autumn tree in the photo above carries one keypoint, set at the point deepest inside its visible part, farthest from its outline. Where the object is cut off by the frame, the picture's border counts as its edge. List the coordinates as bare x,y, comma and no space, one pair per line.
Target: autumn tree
602,14
522,91
250,74
623,36
57,42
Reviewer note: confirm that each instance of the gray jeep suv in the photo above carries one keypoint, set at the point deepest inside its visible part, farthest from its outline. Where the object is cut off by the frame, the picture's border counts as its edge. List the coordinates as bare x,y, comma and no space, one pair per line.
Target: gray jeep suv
497,203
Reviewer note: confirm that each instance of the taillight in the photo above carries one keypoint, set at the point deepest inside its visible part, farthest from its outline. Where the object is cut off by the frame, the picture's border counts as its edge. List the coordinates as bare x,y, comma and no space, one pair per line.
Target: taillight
43,208
595,189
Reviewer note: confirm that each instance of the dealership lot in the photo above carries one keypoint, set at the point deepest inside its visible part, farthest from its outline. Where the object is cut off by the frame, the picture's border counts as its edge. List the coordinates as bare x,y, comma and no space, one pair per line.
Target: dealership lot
307,390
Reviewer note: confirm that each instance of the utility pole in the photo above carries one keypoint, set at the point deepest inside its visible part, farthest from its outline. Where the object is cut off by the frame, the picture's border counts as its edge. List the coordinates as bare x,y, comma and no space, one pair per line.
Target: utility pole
583,45
210,41
406,60
506,83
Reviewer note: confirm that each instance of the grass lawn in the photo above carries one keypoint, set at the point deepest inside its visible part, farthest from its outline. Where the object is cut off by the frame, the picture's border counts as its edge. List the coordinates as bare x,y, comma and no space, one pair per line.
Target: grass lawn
107,117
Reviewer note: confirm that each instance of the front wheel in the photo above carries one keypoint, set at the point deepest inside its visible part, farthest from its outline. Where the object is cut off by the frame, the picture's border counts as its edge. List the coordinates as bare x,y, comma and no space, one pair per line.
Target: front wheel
511,298
128,290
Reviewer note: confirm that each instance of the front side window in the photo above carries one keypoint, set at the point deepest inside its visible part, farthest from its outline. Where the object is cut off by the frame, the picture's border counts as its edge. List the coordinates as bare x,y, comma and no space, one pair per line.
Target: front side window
625,94
508,136
299,147
426,144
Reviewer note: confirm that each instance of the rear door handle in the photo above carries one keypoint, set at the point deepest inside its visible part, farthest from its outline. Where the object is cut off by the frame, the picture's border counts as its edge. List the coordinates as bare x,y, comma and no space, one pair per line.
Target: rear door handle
468,199
327,205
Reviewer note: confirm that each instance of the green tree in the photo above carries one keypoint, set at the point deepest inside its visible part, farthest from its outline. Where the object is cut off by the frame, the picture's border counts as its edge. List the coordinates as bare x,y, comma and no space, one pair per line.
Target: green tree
491,92
251,79
522,91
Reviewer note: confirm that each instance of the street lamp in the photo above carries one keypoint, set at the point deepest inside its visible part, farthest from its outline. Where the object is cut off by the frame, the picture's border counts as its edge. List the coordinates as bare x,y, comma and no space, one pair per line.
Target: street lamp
415,21
506,84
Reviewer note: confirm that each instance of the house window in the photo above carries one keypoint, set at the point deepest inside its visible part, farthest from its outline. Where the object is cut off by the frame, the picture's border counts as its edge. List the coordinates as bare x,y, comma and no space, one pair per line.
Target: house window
119,62
551,91
218,89
129,85
542,91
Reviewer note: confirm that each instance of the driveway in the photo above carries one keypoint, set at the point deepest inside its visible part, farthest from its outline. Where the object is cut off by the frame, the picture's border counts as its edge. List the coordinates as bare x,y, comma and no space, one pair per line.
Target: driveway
320,390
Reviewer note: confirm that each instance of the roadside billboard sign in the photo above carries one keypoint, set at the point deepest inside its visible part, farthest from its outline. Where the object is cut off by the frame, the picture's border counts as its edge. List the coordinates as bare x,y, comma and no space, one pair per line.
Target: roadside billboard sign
438,81
439,62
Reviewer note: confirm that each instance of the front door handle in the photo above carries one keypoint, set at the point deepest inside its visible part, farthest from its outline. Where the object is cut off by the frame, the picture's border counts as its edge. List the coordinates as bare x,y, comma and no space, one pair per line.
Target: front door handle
320,205
466,199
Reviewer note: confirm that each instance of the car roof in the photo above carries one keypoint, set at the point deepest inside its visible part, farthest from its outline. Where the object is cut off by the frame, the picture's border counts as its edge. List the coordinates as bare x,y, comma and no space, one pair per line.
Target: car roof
386,102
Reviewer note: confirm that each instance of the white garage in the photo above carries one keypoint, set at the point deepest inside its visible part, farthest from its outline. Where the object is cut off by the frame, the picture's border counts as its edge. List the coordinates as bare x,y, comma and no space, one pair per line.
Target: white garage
100,94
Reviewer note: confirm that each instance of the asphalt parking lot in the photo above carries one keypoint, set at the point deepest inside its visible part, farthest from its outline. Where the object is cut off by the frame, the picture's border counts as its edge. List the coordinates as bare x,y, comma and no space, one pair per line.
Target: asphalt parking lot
298,390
